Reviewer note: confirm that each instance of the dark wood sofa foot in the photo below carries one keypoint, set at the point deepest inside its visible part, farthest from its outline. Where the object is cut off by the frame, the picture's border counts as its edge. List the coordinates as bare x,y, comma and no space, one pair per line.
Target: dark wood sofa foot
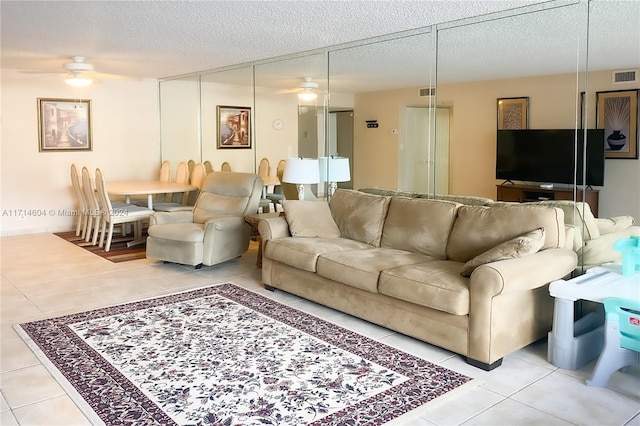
484,365
268,287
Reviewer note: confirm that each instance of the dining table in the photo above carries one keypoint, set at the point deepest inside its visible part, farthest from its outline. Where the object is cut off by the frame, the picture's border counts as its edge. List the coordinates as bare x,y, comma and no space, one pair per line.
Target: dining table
127,188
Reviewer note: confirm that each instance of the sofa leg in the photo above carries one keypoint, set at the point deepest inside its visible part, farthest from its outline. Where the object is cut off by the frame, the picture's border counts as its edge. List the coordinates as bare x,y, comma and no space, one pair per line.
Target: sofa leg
483,365
198,266
268,287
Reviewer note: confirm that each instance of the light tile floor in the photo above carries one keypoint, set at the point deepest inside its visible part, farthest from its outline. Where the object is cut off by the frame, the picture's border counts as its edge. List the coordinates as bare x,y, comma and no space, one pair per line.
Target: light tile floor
44,276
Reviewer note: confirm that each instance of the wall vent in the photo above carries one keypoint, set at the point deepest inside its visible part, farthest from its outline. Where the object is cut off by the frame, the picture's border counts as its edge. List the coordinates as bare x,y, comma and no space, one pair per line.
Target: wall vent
427,91
625,76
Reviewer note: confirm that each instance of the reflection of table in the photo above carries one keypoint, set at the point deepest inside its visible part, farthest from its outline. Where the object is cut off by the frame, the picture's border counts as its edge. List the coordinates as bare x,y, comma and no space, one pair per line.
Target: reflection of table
269,181
253,220
573,344
146,187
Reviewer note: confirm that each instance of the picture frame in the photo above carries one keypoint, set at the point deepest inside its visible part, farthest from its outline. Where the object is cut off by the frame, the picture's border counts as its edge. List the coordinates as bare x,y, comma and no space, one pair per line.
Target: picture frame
617,114
513,113
64,125
234,127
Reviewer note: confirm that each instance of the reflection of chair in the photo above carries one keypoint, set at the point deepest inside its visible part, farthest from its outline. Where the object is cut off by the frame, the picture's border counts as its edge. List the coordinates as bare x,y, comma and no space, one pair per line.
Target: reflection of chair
208,167
189,198
93,208
277,195
82,204
226,167
215,230
621,339
125,213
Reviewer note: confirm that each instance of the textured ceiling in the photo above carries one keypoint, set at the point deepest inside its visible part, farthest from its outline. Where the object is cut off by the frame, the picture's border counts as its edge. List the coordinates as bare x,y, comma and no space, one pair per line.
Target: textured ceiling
156,39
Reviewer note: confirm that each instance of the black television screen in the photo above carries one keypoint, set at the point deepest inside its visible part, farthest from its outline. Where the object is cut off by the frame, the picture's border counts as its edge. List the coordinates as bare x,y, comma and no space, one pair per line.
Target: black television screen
549,156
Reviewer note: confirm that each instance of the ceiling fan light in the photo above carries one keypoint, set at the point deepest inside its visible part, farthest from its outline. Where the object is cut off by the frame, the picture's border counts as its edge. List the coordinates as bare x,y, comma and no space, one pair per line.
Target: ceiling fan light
78,80
307,96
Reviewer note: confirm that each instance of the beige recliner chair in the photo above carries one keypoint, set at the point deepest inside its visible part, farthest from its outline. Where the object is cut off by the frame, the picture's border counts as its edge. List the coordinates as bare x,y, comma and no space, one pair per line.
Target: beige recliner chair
215,230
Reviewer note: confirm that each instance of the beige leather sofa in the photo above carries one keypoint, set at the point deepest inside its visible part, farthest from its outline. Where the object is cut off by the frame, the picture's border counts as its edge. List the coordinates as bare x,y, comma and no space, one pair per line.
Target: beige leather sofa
397,262
215,230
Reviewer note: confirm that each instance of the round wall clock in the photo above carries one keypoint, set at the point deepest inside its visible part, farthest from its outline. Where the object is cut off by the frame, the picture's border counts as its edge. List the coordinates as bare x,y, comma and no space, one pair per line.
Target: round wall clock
277,124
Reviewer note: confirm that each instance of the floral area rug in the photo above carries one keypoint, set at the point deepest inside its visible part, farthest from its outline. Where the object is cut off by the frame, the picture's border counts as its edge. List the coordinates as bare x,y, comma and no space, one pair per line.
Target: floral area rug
228,356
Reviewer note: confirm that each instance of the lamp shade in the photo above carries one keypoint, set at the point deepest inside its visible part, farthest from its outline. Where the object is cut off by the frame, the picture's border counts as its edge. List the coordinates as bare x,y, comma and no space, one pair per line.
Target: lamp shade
334,169
301,170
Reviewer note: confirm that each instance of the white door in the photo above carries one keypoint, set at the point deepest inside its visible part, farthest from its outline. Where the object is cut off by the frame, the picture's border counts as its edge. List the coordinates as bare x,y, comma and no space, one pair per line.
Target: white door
424,150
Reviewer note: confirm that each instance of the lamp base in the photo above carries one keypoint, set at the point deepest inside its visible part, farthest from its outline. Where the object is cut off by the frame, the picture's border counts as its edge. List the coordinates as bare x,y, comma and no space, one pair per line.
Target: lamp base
300,188
332,189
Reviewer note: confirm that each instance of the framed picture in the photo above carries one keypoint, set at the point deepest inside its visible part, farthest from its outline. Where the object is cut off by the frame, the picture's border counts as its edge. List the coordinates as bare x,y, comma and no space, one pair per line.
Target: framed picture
513,113
617,114
234,127
64,124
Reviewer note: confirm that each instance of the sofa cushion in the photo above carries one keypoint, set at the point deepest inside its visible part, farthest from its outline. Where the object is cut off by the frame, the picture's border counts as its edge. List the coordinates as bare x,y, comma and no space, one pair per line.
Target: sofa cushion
469,200
436,284
303,252
478,229
419,225
310,219
359,216
520,246
361,268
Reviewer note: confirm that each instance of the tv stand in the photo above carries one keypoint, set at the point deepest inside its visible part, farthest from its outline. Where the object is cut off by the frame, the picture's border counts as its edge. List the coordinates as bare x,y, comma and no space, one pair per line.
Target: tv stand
530,193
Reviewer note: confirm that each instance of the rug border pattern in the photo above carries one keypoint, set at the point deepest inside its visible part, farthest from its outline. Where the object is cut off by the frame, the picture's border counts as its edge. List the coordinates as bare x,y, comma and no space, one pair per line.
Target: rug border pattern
398,400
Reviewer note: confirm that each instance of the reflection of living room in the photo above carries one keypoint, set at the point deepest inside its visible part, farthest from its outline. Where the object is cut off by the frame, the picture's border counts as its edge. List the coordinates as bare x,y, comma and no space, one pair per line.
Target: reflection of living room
377,79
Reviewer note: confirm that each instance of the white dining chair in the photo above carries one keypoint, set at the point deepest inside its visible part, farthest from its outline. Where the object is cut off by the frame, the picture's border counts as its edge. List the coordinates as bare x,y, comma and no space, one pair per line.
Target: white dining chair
125,213
92,226
82,203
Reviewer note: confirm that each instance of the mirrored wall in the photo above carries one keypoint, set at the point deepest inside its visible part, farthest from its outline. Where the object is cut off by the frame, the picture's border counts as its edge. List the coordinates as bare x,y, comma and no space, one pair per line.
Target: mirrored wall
419,110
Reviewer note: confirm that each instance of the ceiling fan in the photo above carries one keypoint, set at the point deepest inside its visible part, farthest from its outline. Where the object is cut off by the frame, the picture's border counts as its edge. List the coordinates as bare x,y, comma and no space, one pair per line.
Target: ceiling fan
79,73
307,89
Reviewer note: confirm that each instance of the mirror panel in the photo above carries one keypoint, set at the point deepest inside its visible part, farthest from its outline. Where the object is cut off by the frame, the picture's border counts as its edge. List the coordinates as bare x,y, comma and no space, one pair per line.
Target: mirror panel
379,83
226,88
290,103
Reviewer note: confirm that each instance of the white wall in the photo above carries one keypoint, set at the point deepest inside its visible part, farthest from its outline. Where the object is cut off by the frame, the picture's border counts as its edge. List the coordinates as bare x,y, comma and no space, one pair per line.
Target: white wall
125,129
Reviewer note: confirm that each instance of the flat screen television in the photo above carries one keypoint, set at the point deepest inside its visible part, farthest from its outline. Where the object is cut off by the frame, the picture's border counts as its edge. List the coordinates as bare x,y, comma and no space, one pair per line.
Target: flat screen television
549,156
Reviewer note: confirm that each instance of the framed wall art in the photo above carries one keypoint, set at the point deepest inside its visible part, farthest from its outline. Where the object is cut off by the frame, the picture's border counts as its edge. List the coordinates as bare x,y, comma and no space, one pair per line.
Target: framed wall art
513,113
234,127
617,114
64,124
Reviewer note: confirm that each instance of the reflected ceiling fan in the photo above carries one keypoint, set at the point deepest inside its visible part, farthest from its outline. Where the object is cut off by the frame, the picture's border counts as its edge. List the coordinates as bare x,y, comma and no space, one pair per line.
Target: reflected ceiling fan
307,90
79,73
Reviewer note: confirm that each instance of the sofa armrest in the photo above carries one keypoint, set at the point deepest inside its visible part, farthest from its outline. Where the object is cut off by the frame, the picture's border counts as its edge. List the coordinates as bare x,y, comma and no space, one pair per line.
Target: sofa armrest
614,224
158,218
274,227
506,301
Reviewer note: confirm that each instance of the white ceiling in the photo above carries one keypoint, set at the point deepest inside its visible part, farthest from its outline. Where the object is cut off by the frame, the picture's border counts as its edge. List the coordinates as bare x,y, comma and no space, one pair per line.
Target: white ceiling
156,39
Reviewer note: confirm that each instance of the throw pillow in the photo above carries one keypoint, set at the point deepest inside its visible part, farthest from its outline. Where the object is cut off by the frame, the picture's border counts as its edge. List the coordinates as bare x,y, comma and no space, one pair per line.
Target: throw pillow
520,246
310,219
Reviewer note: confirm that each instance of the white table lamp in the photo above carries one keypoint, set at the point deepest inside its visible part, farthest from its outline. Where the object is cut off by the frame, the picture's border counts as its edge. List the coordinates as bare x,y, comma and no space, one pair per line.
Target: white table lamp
334,170
301,171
